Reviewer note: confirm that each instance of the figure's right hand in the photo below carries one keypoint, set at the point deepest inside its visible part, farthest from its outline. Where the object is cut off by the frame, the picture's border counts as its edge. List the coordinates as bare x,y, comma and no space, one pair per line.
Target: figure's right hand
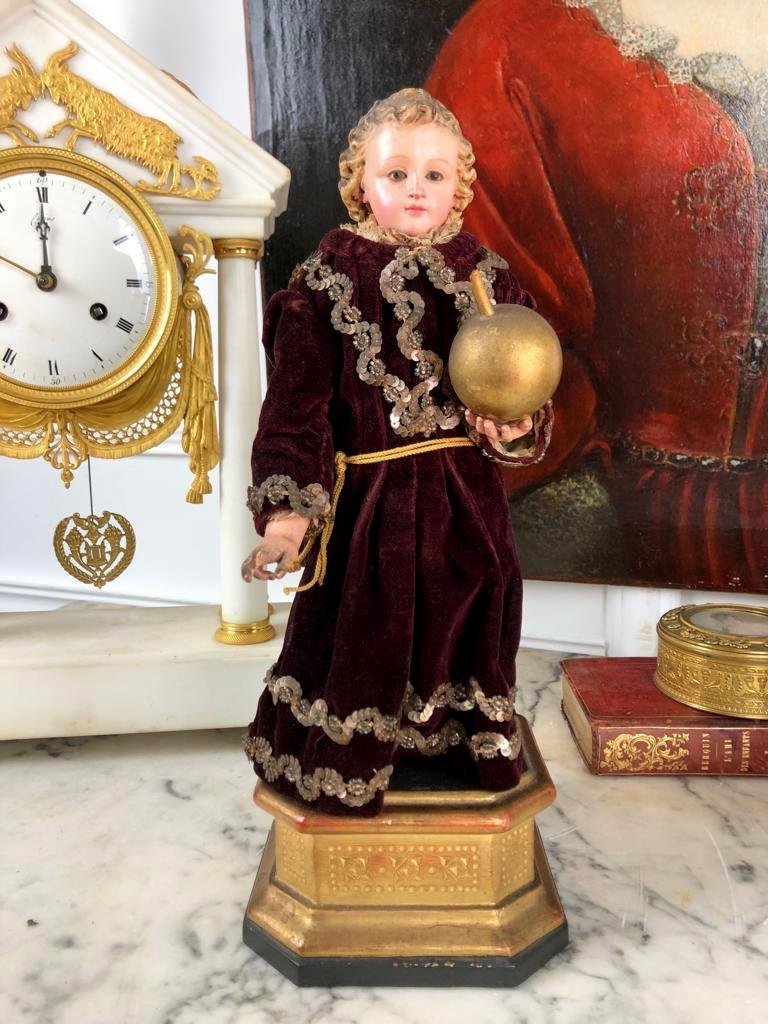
278,549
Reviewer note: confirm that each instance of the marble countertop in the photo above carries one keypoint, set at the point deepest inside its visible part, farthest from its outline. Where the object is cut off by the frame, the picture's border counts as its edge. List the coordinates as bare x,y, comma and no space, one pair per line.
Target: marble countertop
126,863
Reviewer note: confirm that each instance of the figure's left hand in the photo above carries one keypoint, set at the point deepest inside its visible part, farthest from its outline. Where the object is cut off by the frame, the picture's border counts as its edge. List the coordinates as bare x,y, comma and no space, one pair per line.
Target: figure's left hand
496,431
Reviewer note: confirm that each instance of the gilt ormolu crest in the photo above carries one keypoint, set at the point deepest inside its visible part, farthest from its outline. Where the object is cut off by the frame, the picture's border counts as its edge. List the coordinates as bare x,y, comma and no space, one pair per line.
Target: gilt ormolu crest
96,114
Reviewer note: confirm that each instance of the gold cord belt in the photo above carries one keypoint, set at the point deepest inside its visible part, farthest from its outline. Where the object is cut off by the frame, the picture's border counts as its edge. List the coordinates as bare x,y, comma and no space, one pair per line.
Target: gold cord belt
341,462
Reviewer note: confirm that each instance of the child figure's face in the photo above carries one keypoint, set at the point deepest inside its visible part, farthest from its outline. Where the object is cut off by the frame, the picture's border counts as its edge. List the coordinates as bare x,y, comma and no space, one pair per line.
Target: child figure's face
410,176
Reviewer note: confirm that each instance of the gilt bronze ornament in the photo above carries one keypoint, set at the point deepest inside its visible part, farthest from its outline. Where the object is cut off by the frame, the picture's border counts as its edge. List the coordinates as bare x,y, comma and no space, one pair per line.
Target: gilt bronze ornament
95,549
505,361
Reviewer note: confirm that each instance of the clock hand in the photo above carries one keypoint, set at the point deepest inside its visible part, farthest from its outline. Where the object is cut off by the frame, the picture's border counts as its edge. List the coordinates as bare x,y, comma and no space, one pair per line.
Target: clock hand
46,279
18,266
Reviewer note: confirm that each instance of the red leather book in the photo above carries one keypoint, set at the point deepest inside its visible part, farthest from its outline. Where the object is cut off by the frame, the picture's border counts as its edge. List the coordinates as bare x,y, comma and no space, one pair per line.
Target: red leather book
623,725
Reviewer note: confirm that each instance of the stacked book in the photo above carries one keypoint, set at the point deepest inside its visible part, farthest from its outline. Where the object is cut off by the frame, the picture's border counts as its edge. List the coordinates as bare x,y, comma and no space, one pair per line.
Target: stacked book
624,725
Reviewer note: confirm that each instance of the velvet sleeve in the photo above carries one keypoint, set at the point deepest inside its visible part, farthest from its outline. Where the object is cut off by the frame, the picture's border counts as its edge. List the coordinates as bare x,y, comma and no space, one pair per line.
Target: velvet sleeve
292,456
530,448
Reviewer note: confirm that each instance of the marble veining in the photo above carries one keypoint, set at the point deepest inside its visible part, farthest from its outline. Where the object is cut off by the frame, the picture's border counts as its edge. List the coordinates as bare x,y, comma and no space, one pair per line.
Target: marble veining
126,863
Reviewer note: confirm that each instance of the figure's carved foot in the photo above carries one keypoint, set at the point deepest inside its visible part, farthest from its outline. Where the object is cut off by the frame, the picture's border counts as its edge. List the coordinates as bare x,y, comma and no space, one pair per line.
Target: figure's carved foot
16,130
77,131
32,136
162,184
57,128
72,140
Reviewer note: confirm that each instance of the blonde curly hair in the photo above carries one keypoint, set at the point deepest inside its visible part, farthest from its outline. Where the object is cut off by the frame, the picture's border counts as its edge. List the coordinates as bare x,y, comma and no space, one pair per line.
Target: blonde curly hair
406,107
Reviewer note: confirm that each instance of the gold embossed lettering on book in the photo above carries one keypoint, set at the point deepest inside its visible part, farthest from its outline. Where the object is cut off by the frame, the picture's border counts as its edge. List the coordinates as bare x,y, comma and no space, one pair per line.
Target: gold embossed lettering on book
623,725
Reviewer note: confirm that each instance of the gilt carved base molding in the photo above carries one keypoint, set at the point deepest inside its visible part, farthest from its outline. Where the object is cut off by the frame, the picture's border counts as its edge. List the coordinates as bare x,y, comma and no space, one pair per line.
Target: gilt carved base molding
443,888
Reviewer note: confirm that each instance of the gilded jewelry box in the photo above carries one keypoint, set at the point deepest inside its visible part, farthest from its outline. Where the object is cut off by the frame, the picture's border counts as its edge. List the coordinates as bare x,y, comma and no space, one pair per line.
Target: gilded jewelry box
715,657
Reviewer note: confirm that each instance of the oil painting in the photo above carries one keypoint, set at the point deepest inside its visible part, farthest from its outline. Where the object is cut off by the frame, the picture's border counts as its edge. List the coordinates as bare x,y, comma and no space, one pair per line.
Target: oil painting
621,150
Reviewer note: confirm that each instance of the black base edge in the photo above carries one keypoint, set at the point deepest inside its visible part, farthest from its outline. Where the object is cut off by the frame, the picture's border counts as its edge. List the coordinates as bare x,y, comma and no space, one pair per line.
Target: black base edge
407,971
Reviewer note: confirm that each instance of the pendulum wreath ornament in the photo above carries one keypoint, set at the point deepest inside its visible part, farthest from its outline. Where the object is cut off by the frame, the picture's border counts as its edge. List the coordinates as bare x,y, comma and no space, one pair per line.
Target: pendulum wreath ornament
94,549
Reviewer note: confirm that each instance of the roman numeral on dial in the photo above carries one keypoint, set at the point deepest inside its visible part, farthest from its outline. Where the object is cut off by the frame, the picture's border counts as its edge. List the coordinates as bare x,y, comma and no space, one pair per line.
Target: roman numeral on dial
125,325
9,356
120,240
42,193
53,367
132,282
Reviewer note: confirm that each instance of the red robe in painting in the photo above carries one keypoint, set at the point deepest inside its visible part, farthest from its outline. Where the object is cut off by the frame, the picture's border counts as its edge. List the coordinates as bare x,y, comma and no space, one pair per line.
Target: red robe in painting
408,648
629,206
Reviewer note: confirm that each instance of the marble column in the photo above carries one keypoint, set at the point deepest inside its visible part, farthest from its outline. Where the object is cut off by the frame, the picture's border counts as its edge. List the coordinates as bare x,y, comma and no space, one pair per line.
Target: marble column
244,606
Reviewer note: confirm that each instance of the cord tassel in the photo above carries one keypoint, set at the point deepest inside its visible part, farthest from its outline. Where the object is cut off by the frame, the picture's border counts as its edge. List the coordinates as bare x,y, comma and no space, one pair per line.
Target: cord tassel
200,437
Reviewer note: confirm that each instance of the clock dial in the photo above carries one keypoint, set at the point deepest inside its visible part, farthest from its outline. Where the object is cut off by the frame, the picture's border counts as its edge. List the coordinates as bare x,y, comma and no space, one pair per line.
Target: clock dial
50,336
87,278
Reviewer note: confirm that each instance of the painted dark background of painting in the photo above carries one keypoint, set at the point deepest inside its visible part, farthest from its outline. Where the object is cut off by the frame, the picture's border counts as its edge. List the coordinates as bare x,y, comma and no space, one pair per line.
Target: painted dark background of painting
315,68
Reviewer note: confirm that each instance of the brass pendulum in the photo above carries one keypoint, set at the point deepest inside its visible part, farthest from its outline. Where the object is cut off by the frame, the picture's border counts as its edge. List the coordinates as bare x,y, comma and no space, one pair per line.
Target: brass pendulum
95,549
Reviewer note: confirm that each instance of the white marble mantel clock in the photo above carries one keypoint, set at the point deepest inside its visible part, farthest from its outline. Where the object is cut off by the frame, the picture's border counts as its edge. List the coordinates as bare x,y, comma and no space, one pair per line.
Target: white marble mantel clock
126,166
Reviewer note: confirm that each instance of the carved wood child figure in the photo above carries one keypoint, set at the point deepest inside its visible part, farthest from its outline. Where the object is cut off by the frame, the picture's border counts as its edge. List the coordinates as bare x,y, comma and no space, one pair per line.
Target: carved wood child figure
401,641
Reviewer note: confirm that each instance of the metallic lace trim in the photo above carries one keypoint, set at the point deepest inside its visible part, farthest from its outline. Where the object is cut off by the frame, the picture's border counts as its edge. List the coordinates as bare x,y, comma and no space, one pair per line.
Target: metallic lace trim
459,698
352,792
386,728
636,451
374,232
487,745
414,409
481,745
520,451
356,792
311,501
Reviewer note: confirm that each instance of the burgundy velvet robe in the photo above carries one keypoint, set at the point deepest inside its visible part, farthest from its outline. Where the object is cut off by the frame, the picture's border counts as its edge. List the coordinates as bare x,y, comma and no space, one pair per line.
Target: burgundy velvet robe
408,648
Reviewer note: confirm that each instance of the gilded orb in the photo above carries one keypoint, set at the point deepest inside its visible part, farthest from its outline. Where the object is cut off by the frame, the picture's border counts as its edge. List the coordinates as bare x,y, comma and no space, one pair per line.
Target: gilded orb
505,361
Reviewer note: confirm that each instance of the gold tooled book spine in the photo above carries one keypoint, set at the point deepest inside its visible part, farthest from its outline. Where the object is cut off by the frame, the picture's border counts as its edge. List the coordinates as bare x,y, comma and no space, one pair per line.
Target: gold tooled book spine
679,748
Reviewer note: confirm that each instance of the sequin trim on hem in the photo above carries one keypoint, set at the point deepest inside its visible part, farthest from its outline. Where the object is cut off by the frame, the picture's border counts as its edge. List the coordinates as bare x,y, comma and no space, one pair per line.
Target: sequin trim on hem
459,698
481,745
414,409
311,501
356,792
327,781
387,728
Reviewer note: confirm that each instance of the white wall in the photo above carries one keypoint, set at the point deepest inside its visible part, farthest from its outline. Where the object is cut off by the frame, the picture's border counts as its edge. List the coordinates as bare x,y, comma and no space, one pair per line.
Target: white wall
203,44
